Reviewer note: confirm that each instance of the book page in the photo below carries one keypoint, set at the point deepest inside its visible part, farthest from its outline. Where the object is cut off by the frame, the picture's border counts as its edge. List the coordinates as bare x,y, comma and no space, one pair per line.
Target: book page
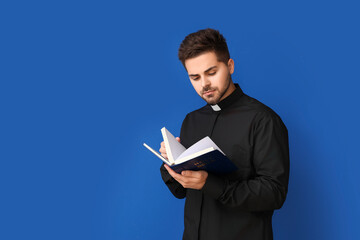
204,143
157,154
194,155
173,147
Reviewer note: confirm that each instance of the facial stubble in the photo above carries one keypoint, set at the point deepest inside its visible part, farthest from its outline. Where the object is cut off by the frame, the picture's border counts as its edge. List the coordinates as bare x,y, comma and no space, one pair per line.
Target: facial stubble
215,101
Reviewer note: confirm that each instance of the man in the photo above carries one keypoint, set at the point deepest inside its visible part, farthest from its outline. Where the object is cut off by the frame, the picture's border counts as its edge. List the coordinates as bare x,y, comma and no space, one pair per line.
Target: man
238,205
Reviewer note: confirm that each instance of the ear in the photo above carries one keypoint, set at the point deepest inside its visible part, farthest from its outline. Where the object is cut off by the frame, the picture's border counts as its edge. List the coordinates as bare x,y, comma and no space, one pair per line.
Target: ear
231,65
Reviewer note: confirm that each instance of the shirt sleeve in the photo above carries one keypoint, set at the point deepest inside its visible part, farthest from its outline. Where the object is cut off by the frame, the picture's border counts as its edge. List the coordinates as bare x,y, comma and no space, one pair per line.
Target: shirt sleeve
175,188
268,188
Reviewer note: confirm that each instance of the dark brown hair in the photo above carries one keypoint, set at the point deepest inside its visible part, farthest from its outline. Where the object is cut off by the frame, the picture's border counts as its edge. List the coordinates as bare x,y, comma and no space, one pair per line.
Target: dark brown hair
202,41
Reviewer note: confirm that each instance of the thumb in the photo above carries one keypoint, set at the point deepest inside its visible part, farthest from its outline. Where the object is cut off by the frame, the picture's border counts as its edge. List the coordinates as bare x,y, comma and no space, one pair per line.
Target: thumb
185,173
178,139
189,173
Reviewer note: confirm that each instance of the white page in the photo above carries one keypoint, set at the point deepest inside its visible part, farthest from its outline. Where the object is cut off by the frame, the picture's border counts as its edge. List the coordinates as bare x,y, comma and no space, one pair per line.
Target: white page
173,147
191,156
204,143
157,154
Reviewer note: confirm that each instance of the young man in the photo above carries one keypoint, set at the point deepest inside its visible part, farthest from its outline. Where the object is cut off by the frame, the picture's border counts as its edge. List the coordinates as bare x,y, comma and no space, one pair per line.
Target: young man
238,205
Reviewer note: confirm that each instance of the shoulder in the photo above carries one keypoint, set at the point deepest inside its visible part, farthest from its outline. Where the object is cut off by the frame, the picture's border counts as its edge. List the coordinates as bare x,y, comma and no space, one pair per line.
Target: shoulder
262,114
203,111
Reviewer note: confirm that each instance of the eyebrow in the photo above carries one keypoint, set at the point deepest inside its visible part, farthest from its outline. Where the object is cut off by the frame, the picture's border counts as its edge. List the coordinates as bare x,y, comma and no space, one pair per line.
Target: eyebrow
194,75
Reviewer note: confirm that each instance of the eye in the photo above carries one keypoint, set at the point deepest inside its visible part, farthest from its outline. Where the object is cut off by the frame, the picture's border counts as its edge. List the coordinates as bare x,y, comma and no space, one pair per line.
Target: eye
212,73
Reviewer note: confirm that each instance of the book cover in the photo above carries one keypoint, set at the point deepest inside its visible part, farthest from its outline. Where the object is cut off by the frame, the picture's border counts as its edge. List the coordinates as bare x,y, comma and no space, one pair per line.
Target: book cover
203,155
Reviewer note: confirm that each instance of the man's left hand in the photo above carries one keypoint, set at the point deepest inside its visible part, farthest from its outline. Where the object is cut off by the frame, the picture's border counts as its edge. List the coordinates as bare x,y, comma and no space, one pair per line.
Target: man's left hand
189,179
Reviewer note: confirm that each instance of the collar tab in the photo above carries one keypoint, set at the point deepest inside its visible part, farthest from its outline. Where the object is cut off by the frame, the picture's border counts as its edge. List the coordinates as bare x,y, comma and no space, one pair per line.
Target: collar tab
235,95
215,107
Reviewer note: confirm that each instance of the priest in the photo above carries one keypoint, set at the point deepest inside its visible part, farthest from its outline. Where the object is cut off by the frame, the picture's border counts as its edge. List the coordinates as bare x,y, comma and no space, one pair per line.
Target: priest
238,205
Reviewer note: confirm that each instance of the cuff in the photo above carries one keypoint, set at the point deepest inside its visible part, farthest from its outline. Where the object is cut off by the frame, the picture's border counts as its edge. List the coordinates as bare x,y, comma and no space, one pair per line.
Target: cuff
214,186
165,174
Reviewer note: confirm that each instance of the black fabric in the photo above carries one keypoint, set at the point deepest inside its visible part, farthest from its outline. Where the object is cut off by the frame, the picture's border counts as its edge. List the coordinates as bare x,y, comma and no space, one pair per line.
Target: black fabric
238,205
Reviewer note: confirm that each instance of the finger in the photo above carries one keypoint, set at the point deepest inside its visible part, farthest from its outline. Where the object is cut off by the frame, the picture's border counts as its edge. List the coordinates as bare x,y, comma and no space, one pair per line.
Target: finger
187,182
191,174
175,175
162,144
171,172
163,154
178,139
162,150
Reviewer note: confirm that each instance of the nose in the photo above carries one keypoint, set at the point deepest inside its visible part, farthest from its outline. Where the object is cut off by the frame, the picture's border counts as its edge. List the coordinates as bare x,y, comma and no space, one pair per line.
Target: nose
205,82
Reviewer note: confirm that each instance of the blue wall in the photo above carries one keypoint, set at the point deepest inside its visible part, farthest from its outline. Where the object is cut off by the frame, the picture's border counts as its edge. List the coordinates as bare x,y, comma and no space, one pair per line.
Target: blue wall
84,84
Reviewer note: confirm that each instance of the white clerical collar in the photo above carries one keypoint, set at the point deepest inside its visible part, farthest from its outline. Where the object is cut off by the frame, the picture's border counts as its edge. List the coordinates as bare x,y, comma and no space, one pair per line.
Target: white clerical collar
234,96
215,107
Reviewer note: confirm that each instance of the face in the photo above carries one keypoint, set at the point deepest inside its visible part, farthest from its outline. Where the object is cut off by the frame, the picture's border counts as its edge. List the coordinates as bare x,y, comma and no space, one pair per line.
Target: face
211,79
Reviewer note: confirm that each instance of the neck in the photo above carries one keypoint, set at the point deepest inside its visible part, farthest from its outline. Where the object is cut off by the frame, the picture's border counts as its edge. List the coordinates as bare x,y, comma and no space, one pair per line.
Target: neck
230,89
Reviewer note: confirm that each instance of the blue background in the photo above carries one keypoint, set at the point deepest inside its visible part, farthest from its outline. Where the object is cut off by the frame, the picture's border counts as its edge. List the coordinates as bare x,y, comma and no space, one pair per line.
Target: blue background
84,84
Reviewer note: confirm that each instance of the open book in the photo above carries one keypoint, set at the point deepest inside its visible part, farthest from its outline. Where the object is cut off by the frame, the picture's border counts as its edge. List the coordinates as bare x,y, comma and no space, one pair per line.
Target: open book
203,155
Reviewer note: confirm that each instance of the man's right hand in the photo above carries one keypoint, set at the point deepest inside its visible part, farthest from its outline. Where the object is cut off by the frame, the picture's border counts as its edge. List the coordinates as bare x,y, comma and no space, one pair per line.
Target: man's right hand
163,150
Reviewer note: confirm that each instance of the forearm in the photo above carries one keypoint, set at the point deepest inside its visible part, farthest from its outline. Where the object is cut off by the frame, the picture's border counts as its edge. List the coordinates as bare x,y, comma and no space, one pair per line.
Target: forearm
259,194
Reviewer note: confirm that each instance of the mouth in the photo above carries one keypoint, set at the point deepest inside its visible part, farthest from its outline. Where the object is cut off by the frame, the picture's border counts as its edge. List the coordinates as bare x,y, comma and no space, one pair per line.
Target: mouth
207,93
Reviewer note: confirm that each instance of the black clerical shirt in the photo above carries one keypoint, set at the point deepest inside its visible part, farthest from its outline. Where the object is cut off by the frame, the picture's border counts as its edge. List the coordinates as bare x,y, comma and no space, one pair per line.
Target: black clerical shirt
238,205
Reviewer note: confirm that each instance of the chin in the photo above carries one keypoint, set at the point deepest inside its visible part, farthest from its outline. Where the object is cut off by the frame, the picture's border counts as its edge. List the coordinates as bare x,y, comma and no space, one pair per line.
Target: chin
211,101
